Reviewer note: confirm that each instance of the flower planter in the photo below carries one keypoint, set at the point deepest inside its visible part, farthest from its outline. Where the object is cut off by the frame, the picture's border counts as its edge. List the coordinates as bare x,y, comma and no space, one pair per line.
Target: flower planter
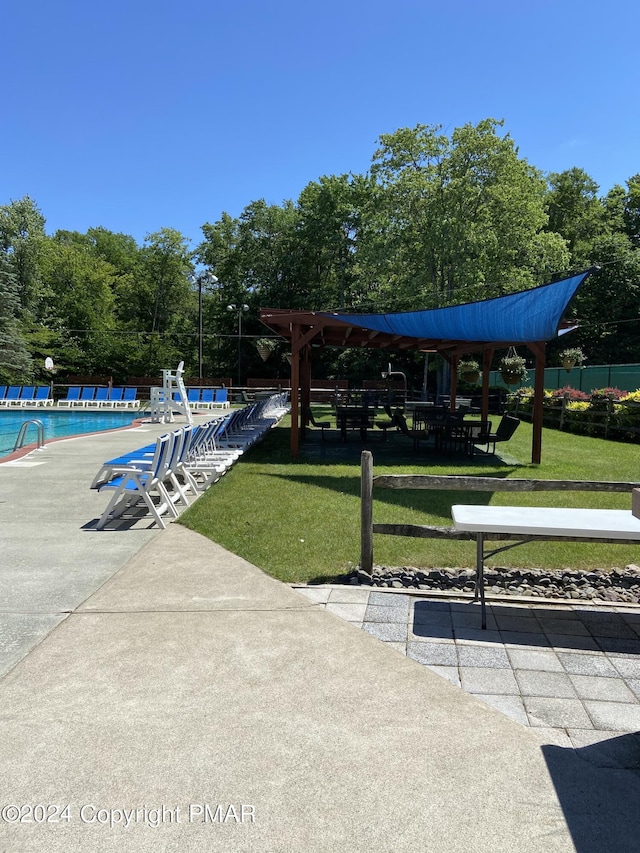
471,376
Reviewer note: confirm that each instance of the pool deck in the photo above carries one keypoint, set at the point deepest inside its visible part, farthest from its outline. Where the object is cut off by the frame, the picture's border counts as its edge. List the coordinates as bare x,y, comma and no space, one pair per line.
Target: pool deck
152,680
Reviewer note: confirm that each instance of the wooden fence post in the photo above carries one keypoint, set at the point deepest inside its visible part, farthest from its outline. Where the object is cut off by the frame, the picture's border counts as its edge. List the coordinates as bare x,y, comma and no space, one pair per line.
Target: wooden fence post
366,511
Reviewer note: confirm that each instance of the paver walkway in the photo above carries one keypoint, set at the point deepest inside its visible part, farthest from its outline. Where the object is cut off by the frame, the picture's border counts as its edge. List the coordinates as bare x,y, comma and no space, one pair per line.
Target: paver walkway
571,671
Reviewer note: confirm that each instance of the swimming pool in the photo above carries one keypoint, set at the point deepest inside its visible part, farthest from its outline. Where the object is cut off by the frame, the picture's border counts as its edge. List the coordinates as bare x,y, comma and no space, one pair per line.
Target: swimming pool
58,424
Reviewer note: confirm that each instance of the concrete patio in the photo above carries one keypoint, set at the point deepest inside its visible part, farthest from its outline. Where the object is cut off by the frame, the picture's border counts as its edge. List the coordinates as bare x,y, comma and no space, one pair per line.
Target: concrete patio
162,694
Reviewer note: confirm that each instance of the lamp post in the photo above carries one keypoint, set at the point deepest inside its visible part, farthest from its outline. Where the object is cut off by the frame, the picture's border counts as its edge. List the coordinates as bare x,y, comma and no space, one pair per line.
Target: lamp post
200,279
239,311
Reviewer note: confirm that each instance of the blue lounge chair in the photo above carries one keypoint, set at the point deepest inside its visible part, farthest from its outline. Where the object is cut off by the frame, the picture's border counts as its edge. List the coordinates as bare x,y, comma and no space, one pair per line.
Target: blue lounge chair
114,397
26,395
86,396
3,391
206,398
221,400
130,398
12,397
43,396
101,397
193,396
134,484
73,395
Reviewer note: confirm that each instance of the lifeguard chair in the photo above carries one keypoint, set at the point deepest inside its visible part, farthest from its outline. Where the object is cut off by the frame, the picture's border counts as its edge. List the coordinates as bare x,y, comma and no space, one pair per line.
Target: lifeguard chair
171,399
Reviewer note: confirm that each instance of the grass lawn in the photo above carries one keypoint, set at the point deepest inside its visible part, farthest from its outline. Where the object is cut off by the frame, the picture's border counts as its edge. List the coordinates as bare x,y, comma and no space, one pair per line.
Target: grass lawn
299,519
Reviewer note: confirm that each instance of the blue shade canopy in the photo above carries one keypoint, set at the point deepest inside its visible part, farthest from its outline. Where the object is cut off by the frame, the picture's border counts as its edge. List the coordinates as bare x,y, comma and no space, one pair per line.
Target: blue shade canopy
530,315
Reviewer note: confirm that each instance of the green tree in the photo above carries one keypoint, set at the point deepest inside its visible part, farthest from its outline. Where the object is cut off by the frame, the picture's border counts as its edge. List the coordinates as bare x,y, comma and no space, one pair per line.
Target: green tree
22,238
576,212
15,362
81,301
454,219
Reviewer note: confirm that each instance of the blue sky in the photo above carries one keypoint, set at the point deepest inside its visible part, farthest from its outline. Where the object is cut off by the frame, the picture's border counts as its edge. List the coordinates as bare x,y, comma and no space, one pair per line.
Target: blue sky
140,114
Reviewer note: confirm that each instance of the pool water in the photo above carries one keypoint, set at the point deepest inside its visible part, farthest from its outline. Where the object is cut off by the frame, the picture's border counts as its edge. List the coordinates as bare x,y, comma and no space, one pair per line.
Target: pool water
58,424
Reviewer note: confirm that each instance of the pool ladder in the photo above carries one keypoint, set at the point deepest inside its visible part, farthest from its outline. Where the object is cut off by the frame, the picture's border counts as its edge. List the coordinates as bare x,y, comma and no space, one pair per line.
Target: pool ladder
23,434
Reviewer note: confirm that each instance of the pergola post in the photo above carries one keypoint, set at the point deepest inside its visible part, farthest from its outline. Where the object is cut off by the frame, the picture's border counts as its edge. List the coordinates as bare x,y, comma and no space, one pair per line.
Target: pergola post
539,350
453,387
295,384
487,356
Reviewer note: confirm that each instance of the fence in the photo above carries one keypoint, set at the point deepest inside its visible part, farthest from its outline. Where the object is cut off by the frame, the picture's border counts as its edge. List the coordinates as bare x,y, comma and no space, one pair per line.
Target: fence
600,416
461,483
587,379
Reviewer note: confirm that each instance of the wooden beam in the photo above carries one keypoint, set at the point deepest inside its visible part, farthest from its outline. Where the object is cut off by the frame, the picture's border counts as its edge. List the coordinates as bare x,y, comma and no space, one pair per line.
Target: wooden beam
295,384
539,350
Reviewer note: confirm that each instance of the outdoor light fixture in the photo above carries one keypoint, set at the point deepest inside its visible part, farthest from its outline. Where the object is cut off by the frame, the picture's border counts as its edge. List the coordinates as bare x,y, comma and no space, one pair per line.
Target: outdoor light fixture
200,279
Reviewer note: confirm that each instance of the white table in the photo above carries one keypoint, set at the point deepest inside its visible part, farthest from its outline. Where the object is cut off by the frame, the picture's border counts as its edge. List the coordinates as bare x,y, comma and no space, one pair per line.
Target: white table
524,524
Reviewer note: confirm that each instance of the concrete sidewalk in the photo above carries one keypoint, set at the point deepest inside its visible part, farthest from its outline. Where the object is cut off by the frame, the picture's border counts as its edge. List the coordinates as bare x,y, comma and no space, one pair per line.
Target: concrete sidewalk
197,704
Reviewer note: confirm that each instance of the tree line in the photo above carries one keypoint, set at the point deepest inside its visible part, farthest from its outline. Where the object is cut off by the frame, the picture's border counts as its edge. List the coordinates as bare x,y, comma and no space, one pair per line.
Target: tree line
436,220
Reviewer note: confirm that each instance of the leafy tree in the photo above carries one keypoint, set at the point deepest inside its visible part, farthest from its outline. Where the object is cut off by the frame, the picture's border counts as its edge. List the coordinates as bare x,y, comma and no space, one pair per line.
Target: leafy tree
21,238
576,212
455,219
608,304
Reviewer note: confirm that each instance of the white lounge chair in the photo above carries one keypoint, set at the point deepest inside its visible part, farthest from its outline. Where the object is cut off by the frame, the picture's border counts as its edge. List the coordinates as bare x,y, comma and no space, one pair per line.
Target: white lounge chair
132,484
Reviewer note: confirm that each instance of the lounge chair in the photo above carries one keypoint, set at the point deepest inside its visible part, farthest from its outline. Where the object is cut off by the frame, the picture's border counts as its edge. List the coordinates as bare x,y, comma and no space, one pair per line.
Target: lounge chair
114,397
26,395
12,397
87,393
221,399
43,396
73,395
193,396
206,398
132,484
130,399
100,399
3,391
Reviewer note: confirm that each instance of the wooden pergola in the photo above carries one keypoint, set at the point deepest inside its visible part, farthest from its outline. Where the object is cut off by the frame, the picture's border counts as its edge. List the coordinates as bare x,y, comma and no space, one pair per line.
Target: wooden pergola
306,330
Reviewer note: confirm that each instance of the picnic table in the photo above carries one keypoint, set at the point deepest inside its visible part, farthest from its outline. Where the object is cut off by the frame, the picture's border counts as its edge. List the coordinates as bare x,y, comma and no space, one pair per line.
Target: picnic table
354,417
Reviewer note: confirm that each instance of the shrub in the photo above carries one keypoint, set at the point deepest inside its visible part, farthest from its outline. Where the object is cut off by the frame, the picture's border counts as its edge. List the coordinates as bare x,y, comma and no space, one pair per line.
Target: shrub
572,393
614,393
632,397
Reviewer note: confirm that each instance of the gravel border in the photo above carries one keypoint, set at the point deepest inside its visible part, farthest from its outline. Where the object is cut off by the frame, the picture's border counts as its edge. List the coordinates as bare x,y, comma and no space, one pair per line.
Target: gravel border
614,585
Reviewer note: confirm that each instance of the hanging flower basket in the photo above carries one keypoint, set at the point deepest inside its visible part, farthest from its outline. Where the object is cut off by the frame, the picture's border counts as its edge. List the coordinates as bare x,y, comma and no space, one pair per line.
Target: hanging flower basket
265,347
513,368
469,371
570,357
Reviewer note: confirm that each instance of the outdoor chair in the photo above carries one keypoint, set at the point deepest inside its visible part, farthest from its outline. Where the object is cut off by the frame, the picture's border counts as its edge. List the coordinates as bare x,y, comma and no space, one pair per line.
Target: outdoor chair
132,484
221,400
193,396
12,397
129,399
86,396
43,396
321,425
113,398
417,435
3,391
478,434
455,433
101,397
73,395
206,398
506,428
26,395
